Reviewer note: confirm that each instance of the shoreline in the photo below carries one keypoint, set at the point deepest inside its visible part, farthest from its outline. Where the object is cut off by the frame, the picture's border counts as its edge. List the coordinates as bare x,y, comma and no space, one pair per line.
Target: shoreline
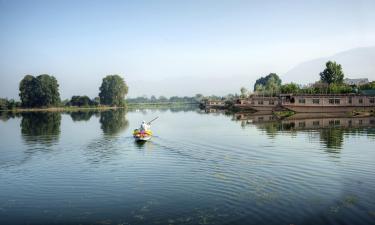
98,108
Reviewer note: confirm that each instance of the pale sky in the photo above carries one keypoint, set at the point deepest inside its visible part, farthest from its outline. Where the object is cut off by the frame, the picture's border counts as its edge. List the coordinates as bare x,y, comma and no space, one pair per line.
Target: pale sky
173,47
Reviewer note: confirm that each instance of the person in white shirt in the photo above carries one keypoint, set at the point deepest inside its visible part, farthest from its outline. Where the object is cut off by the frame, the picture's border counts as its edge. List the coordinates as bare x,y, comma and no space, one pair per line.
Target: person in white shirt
145,126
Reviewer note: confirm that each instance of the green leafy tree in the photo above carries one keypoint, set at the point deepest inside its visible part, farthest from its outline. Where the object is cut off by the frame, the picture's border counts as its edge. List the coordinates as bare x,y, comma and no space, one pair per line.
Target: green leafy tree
244,92
42,90
275,81
368,86
113,90
81,101
332,73
291,88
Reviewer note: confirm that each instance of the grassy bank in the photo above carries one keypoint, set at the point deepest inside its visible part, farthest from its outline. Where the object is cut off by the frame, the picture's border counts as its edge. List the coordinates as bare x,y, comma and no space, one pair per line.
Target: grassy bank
61,109
99,108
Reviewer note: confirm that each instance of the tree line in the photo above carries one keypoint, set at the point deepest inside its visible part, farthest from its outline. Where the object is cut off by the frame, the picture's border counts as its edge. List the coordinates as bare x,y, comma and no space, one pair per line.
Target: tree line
331,81
43,91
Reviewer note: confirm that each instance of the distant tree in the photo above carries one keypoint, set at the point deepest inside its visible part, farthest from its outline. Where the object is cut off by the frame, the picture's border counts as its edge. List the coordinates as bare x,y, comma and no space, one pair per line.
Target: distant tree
368,86
243,92
289,88
340,88
81,101
198,97
153,99
162,99
275,81
273,84
332,73
42,90
3,104
259,88
113,90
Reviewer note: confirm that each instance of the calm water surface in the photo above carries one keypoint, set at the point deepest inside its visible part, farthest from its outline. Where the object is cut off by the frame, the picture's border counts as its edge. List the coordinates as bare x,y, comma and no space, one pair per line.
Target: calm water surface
200,168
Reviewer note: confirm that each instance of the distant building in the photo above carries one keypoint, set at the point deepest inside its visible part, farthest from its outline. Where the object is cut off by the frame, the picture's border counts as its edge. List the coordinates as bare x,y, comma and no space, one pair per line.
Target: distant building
356,82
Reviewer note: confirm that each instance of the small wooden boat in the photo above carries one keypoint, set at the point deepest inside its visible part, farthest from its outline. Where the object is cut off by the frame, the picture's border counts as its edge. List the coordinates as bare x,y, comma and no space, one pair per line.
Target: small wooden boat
142,135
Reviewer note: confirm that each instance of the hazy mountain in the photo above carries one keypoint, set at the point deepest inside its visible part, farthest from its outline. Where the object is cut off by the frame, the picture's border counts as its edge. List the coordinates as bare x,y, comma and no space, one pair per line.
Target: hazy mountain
356,63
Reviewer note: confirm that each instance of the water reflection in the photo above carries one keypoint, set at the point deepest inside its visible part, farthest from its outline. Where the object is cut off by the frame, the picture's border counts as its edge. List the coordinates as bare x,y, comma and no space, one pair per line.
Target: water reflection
6,115
113,121
40,127
330,127
82,115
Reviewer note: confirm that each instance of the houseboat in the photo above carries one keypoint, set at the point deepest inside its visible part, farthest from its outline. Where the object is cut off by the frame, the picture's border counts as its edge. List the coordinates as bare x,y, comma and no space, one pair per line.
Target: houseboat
334,121
259,103
216,104
327,102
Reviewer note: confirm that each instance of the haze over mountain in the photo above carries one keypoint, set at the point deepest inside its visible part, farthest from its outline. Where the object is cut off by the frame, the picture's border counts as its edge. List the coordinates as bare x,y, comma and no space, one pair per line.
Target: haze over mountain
356,63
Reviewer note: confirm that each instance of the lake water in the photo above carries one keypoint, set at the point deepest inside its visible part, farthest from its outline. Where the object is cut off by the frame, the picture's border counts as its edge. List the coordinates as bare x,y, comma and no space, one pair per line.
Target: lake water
200,168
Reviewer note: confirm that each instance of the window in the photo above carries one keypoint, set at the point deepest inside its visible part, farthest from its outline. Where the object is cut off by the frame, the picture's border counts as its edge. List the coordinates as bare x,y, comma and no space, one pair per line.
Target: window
260,102
350,123
315,123
337,122
301,124
334,101
350,100
260,119
372,100
271,102
331,122
360,122
360,101
301,101
315,101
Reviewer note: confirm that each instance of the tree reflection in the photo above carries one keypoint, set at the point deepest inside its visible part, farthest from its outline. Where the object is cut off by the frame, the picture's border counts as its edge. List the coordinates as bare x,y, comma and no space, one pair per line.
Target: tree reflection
332,138
6,115
43,127
113,121
82,115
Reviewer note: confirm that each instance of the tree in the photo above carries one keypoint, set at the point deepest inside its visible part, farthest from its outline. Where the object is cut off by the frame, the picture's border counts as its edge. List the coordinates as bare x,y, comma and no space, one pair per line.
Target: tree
332,73
113,90
275,81
368,86
243,92
291,88
273,84
81,101
42,90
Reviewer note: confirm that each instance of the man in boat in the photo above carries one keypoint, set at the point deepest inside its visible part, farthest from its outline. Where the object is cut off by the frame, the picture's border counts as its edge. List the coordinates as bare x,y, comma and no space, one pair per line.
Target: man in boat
145,126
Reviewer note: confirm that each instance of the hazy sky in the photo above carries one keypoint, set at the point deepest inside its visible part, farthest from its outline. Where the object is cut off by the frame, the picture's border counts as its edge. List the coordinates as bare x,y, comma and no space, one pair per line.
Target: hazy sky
172,47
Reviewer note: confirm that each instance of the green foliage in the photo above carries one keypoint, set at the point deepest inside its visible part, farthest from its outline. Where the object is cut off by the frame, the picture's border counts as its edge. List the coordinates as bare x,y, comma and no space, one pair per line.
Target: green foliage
332,73
162,99
340,88
368,86
290,88
81,101
113,91
6,104
39,91
244,92
271,82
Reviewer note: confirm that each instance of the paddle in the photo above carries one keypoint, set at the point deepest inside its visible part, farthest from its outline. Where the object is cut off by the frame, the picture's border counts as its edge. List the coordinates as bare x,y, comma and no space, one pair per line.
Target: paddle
152,120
